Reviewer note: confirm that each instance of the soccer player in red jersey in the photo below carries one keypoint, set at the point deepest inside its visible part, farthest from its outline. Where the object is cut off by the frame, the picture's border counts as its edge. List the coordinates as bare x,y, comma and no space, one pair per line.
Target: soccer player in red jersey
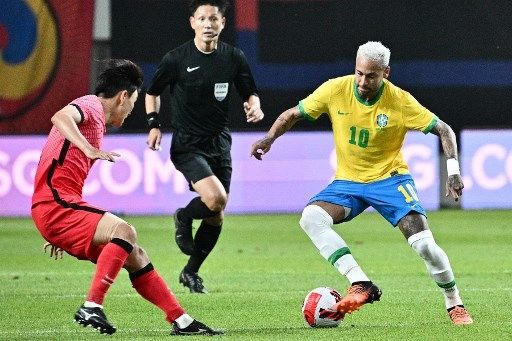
86,232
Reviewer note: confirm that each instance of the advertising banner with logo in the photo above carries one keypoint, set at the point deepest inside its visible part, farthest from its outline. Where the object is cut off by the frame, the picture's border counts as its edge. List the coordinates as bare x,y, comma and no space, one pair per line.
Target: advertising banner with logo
143,181
45,57
486,162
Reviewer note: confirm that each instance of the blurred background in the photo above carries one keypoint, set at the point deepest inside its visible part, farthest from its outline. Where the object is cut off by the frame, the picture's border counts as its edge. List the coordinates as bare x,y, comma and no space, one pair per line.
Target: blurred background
455,57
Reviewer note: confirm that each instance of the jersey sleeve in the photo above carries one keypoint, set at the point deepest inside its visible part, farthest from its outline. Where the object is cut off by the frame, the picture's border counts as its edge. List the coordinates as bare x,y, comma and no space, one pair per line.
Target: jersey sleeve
244,81
164,76
416,116
90,110
83,105
82,114
313,106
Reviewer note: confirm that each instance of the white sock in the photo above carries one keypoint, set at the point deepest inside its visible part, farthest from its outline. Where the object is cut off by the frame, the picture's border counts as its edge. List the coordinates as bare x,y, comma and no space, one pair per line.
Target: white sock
90,304
437,264
355,274
316,222
452,297
184,321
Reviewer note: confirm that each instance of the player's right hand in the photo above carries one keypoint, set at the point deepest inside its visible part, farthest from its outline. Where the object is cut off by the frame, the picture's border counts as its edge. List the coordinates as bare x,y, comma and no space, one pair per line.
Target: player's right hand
154,139
95,154
261,147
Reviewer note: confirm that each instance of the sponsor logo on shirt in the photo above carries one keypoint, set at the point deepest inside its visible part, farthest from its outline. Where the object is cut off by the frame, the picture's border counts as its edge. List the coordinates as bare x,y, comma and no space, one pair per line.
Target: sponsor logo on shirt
190,69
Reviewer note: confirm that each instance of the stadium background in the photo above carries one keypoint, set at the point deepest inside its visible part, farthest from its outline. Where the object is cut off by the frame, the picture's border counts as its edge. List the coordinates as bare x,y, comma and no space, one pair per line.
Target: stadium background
454,57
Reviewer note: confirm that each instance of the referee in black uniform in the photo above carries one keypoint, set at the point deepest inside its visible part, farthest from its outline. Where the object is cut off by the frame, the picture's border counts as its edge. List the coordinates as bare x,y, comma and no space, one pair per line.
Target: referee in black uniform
202,75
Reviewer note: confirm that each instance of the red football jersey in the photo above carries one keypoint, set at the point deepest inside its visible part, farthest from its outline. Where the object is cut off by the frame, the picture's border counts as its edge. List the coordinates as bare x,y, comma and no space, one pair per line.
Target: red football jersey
63,167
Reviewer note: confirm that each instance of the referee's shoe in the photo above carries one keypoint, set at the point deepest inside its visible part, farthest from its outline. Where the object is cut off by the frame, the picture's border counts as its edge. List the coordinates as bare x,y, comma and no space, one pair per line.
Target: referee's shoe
192,281
183,234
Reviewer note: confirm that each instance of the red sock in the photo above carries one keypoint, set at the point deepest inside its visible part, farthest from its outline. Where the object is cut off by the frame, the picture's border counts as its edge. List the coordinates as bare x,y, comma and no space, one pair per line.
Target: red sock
109,263
154,289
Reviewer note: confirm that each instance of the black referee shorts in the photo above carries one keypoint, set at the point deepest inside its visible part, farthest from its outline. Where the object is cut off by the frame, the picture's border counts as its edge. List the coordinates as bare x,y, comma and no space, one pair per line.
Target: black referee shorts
199,157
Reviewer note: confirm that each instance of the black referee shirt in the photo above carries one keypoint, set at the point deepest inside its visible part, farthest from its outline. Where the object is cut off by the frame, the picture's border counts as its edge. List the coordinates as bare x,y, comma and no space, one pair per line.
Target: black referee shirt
201,86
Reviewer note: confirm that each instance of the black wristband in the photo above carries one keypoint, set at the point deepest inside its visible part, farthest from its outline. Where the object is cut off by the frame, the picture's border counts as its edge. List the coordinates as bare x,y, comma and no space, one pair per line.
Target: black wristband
153,120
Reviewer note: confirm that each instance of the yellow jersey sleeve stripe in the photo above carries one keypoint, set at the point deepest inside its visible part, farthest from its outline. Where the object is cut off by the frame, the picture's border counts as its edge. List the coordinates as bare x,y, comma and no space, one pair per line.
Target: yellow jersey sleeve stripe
303,112
431,125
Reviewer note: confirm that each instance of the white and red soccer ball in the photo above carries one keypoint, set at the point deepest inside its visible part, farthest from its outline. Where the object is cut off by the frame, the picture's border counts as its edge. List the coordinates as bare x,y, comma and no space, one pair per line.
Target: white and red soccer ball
317,308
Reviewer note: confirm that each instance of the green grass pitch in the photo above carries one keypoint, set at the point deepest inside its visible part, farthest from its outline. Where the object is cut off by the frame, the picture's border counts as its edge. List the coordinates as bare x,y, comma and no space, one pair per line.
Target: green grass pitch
258,276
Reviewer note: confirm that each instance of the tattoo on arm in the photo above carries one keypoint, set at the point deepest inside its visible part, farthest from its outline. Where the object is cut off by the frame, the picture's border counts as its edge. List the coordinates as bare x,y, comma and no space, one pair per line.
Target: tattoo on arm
283,123
267,140
447,137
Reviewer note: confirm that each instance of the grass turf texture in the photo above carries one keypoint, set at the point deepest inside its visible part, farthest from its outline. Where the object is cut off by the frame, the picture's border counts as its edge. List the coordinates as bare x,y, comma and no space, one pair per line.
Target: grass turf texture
258,276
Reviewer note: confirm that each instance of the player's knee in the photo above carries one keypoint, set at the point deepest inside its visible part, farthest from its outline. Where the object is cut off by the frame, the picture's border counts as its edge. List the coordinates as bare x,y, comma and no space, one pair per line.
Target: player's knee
126,232
216,202
424,244
435,258
314,218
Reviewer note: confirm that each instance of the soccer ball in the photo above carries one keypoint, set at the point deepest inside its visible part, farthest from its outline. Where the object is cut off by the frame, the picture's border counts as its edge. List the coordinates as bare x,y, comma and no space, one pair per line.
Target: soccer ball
317,308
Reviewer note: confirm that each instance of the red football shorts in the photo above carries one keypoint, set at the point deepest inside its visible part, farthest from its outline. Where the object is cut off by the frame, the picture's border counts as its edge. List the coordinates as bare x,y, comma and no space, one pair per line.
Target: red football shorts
70,228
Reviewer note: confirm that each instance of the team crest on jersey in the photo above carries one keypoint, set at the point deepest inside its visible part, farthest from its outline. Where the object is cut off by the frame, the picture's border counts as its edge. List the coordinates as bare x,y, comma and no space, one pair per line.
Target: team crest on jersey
382,120
221,91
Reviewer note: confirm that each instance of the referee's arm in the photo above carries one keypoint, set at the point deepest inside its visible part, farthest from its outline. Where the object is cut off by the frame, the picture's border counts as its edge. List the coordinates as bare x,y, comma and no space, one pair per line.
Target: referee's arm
152,104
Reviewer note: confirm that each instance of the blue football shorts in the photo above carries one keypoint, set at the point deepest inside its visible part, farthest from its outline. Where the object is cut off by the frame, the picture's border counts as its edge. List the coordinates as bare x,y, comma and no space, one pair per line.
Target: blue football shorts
393,197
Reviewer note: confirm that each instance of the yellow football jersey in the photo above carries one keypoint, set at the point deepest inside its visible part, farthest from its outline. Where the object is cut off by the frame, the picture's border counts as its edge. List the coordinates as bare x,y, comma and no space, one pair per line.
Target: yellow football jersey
368,135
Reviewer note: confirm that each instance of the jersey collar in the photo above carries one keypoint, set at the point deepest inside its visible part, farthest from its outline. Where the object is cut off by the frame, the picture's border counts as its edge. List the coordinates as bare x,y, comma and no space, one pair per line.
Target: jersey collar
371,101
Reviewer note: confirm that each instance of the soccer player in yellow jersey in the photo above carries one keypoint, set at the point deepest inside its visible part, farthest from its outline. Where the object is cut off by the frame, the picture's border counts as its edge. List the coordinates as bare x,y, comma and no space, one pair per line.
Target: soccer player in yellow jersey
370,118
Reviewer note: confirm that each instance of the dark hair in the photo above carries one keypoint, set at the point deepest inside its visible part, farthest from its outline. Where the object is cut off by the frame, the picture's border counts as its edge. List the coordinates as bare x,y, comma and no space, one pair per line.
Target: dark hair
118,75
222,5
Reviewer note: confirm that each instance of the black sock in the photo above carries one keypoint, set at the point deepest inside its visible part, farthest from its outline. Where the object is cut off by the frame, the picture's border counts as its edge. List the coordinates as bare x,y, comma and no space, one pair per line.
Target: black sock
204,241
196,209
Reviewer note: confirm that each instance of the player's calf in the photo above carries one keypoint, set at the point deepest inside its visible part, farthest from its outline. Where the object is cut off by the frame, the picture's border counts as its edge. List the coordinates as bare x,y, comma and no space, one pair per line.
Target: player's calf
183,234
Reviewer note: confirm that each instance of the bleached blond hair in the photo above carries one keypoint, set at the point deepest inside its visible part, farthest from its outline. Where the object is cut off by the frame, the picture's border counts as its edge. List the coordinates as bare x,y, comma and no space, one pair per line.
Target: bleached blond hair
375,51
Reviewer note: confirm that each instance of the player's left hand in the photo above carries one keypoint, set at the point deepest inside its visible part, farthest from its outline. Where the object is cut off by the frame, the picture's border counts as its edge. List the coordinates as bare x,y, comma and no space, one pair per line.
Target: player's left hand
55,251
253,113
454,186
